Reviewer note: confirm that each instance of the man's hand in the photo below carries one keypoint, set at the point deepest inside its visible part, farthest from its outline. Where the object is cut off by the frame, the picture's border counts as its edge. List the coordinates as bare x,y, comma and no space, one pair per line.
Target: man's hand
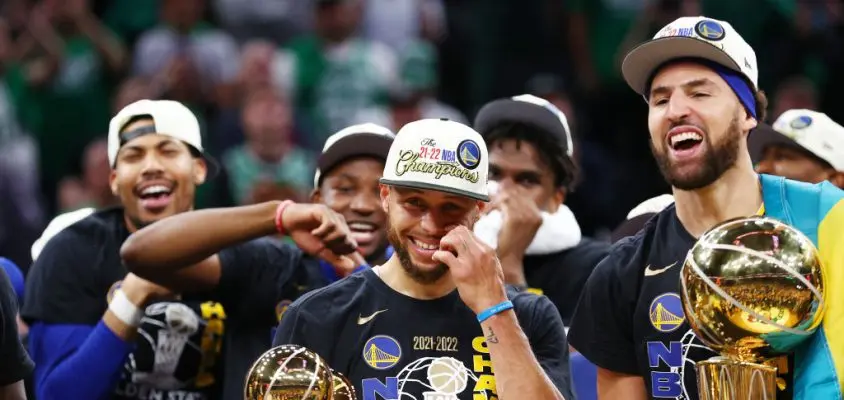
474,268
141,291
322,232
521,219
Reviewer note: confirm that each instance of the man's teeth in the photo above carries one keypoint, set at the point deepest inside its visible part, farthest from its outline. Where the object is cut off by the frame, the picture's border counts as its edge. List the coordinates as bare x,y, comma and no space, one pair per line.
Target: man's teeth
685,136
155,189
361,227
426,246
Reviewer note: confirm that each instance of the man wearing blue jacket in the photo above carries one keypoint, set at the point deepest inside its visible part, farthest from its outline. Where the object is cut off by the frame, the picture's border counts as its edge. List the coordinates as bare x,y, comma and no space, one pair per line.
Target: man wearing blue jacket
98,333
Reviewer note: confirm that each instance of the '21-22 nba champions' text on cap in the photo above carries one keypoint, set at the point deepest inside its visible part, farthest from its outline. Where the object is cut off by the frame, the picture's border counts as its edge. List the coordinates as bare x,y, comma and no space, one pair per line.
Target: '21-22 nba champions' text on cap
438,154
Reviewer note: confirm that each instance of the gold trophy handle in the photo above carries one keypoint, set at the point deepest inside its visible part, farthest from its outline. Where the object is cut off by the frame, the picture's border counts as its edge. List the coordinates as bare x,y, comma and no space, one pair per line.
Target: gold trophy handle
721,378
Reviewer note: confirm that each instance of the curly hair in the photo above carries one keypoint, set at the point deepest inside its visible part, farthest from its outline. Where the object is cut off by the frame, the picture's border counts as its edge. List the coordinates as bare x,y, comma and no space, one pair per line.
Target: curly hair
550,149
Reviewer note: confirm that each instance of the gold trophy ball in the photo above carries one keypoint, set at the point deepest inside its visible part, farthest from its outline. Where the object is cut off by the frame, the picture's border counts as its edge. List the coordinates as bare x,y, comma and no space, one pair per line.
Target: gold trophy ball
752,288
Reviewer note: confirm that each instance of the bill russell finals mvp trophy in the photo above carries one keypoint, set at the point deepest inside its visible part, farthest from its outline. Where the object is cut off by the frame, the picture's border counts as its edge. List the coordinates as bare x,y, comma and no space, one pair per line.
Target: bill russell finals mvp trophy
291,372
752,290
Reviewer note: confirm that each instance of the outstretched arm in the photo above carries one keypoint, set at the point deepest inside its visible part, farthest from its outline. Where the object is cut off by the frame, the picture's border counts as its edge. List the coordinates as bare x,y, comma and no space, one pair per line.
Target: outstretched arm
180,252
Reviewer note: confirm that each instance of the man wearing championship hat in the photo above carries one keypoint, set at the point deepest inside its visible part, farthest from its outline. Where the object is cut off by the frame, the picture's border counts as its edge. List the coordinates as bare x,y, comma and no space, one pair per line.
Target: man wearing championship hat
699,79
436,319
803,145
222,253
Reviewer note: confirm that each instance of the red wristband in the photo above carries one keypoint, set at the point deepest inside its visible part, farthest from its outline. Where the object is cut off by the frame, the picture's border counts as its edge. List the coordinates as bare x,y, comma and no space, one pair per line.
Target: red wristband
279,223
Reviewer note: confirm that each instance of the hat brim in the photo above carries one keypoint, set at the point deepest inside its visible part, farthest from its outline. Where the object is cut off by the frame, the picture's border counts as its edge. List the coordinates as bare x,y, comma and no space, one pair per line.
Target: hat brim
642,62
357,145
438,188
763,136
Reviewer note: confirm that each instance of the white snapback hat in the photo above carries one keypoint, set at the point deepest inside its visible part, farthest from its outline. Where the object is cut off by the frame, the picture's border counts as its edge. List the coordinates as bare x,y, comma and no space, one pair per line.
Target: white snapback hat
690,37
359,140
169,117
439,154
810,130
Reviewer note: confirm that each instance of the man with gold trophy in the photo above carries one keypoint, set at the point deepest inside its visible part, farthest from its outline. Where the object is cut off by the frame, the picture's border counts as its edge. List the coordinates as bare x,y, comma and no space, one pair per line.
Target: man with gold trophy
698,77
435,321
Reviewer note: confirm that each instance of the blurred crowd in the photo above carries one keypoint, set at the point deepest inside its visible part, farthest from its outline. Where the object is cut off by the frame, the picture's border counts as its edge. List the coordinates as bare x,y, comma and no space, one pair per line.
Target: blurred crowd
271,80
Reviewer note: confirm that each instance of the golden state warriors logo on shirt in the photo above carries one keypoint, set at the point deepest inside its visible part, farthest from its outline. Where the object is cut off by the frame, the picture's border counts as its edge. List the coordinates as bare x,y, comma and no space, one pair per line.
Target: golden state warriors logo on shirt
801,122
469,154
381,352
666,312
710,30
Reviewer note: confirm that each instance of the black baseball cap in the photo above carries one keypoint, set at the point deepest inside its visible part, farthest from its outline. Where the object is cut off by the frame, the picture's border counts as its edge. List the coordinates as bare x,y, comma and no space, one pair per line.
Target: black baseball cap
529,110
360,140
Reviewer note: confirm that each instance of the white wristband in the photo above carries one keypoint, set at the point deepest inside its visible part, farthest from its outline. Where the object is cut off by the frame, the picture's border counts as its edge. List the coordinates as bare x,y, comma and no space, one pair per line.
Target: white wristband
125,310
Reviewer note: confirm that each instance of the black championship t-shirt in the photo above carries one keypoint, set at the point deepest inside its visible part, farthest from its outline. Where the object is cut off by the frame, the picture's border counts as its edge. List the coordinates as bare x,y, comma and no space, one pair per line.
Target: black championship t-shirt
197,348
393,347
15,364
630,317
562,275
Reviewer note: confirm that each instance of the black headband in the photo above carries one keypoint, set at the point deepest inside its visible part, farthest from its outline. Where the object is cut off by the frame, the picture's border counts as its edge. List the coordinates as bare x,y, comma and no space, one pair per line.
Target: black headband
136,133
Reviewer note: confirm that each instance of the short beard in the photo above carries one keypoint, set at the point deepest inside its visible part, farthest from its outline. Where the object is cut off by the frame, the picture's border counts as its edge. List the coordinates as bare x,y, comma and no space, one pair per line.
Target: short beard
415,273
718,158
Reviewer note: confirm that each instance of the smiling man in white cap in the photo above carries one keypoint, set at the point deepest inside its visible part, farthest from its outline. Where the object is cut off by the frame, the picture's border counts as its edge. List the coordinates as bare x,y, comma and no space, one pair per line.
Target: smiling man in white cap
699,79
435,320
803,145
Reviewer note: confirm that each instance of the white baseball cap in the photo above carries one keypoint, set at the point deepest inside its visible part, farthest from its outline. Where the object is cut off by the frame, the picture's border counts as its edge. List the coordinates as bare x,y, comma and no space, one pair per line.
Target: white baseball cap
360,140
690,37
439,154
810,130
169,118
57,225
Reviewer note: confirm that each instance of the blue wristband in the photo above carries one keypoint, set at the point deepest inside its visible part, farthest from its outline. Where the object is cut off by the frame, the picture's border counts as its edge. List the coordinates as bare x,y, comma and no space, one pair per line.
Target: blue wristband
489,312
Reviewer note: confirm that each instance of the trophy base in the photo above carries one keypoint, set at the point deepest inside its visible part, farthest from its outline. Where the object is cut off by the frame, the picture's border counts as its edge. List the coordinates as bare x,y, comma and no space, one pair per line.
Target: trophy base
724,379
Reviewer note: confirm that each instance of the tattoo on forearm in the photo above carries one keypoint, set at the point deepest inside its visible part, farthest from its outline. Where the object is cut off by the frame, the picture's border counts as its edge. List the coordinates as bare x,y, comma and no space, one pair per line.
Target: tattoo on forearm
490,337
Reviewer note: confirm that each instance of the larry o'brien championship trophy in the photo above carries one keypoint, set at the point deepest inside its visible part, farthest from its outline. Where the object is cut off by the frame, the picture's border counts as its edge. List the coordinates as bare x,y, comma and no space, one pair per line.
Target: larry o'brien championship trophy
291,372
752,290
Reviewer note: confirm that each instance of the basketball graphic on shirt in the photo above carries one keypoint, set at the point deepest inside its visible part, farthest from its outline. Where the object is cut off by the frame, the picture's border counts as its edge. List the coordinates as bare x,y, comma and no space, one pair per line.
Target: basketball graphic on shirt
447,375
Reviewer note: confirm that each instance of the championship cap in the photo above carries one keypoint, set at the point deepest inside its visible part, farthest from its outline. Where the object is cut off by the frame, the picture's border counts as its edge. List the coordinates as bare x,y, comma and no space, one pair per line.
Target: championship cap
58,224
806,129
529,110
439,154
355,141
690,37
169,118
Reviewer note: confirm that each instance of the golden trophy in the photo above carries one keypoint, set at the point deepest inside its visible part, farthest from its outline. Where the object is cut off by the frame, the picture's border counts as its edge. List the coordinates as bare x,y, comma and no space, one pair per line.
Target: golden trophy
752,290
291,372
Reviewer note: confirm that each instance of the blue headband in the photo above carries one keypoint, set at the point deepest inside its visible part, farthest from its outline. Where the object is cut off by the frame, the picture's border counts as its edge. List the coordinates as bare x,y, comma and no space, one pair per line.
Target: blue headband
735,80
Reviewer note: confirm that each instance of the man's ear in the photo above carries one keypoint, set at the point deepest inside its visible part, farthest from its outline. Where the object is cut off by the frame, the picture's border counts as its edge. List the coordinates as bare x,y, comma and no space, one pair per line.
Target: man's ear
112,182
316,196
385,197
837,179
200,171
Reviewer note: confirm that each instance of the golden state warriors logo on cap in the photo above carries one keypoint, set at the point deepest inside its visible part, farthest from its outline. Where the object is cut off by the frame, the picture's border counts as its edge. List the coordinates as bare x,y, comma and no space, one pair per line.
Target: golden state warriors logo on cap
381,352
666,312
801,122
710,30
469,154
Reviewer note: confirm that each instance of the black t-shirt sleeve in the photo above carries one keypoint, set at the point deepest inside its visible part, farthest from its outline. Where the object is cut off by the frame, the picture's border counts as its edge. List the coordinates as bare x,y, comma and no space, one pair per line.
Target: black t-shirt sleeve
62,287
15,364
602,326
548,341
257,275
